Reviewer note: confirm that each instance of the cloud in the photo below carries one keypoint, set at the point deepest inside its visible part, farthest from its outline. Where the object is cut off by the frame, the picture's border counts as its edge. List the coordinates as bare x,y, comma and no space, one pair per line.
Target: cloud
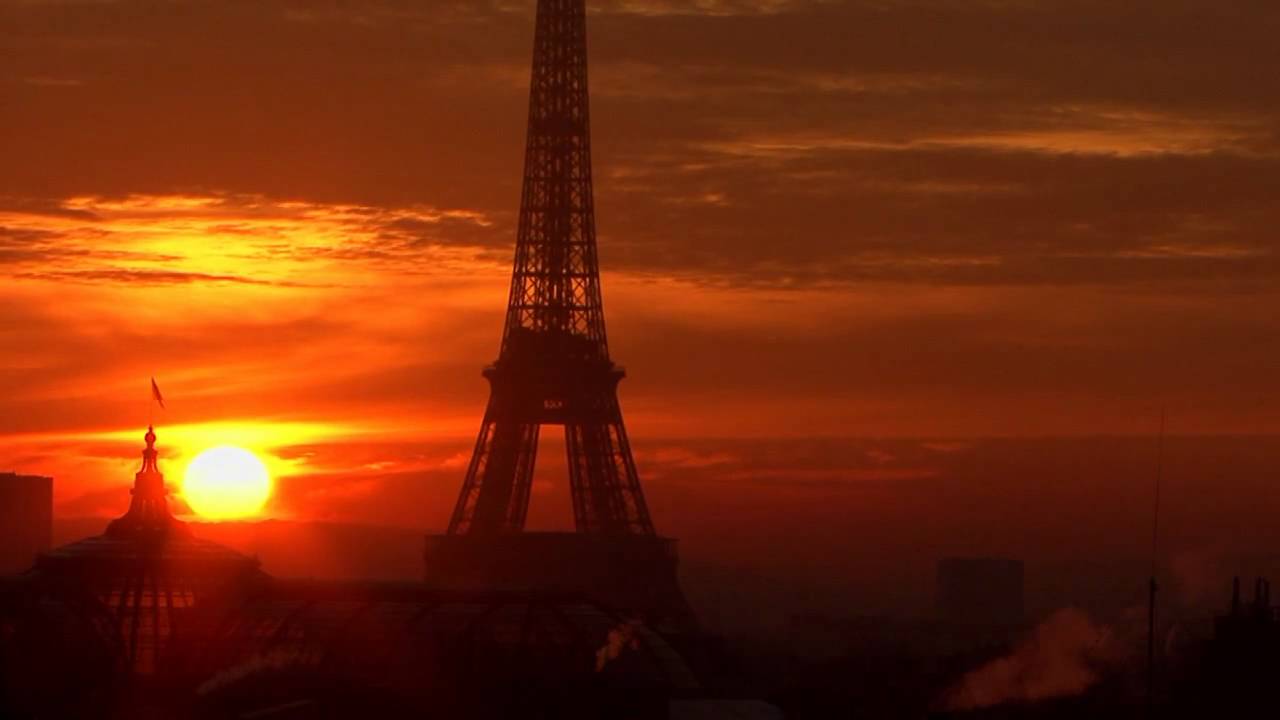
167,239
752,142
140,277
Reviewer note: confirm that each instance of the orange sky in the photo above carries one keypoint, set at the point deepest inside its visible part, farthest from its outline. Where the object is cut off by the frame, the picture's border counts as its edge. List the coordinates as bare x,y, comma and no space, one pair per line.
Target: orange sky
860,219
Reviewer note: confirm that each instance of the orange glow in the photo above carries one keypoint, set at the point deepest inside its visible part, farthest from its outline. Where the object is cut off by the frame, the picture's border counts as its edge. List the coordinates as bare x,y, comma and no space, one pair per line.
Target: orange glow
226,482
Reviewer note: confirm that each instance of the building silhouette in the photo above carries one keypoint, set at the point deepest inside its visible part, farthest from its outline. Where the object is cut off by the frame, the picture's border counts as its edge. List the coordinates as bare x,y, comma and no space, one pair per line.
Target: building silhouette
146,571
554,368
26,520
99,620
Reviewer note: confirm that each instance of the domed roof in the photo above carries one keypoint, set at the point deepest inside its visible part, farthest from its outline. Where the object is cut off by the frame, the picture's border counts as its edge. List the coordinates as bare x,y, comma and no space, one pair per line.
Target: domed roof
147,531
148,570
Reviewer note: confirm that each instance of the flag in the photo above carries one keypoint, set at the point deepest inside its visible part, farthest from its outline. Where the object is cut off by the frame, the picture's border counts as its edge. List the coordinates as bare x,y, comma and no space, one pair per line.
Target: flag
155,393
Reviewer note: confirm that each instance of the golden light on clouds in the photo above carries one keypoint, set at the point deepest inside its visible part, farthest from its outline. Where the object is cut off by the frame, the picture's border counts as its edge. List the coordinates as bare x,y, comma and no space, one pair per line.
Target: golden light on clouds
248,241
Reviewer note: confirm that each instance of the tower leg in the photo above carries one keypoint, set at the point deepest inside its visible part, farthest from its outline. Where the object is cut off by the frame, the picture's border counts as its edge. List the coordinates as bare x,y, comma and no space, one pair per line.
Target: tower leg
603,480
495,495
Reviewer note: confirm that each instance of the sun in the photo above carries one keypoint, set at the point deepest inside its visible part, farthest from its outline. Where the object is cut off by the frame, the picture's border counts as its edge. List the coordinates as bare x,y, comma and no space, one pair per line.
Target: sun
226,482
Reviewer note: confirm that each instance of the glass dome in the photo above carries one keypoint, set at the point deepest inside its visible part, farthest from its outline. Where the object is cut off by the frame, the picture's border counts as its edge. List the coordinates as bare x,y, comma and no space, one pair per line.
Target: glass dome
147,571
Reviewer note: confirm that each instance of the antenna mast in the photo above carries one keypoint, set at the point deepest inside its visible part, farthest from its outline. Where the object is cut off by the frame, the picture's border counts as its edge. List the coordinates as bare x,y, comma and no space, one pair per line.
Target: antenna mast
1151,585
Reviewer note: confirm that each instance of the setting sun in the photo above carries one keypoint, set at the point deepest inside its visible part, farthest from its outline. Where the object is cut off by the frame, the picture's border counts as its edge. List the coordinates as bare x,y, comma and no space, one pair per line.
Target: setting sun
226,482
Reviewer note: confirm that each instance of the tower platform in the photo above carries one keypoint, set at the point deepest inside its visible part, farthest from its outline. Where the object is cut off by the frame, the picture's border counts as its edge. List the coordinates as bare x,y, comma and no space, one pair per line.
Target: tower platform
629,573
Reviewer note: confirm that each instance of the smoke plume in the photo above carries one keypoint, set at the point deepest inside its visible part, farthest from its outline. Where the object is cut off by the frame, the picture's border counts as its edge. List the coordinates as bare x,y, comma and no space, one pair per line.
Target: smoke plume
1059,659
620,638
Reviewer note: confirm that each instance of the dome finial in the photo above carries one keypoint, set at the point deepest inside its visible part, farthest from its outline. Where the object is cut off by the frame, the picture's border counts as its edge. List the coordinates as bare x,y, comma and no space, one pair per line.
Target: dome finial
148,511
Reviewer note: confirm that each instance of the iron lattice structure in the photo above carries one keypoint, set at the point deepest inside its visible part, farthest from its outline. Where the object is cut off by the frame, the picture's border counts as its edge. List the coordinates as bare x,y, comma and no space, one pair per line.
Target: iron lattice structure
553,367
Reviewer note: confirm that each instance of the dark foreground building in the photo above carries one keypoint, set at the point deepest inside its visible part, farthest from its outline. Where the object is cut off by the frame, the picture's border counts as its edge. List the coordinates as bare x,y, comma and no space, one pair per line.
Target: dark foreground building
402,650
26,520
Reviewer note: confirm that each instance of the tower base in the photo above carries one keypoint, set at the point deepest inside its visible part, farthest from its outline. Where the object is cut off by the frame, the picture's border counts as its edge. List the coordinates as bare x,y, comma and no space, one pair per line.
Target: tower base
632,574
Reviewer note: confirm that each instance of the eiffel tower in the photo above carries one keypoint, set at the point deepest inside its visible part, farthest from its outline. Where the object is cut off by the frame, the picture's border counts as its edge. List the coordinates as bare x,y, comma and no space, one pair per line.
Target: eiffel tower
554,368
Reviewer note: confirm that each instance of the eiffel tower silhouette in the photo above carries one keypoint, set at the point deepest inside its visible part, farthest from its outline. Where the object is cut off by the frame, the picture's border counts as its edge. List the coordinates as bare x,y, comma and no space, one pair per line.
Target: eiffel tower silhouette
554,368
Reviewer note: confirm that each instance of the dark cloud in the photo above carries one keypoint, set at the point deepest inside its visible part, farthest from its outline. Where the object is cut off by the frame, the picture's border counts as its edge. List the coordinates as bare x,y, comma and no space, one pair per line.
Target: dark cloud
146,277
44,206
767,142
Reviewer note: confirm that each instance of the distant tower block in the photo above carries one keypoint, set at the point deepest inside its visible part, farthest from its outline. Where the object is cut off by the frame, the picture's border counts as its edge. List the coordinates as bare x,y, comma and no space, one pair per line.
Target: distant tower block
26,520
981,591
553,368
